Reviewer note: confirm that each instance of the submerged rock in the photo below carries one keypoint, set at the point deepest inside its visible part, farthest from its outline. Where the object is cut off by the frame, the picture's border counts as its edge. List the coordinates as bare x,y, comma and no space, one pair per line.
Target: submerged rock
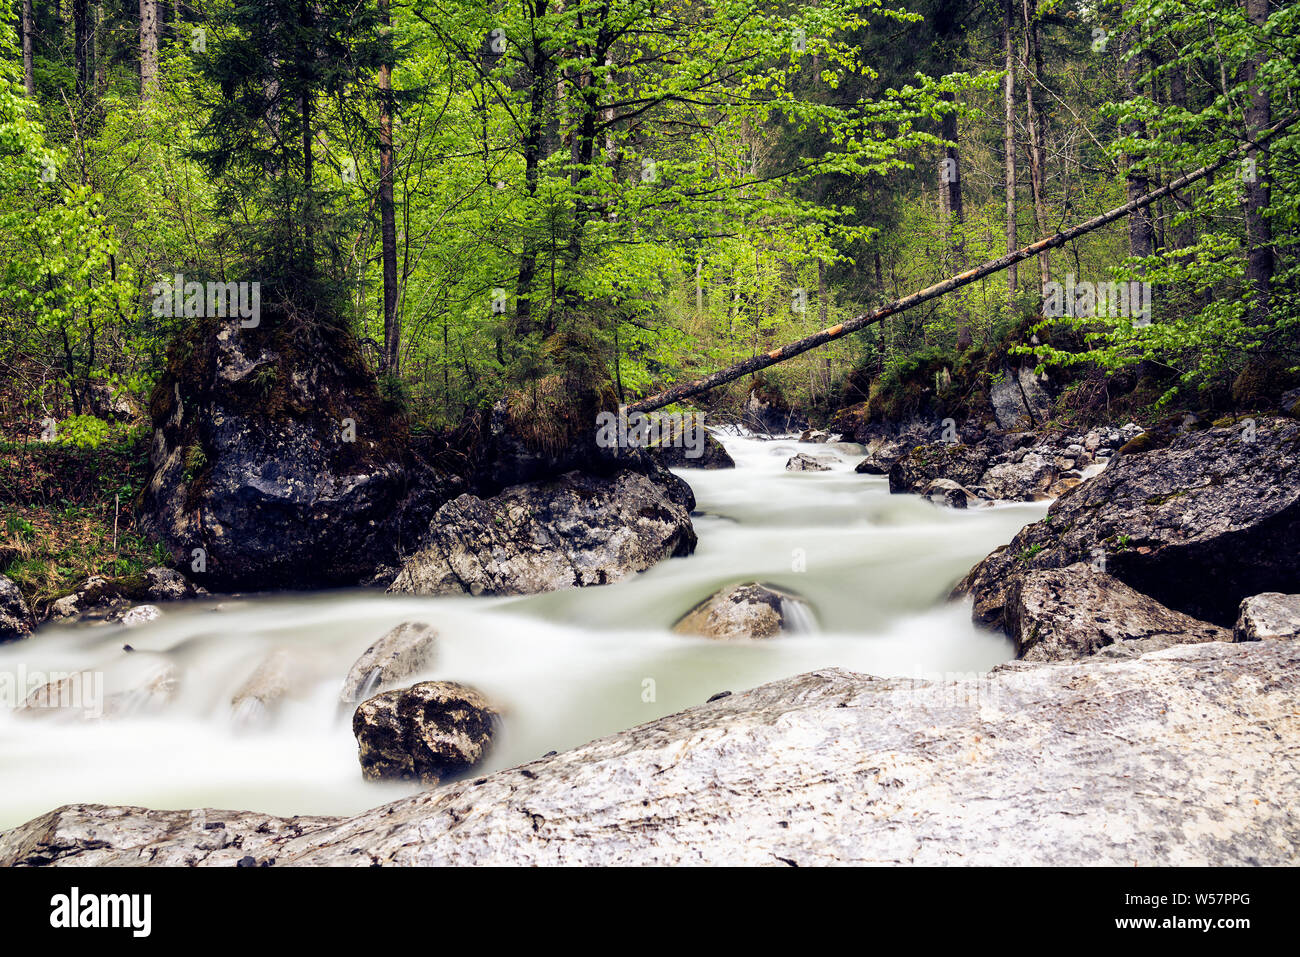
1063,613
401,652
803,462
949,493
1181,757
427,732
577,530
257,699
1199,525
739,611
15,617
1271,616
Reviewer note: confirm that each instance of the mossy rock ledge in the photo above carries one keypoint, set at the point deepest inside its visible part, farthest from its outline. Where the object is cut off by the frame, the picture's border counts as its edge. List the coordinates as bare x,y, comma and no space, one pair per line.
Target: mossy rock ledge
274,453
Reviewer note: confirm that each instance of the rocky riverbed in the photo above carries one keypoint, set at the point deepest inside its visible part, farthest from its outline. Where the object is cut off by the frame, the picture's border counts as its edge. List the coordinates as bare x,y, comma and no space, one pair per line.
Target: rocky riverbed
1150,718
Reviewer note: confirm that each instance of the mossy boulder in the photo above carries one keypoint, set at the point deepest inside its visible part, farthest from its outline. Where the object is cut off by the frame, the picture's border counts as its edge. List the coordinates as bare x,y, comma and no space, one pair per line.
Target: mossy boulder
275,462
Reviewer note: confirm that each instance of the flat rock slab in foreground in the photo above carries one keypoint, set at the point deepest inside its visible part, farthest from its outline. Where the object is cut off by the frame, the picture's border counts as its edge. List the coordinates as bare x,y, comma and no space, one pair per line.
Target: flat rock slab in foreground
1184,756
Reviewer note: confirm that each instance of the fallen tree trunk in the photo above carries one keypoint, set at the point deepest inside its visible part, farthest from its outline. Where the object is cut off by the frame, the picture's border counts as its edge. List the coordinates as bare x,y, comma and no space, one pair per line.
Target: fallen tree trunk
789,351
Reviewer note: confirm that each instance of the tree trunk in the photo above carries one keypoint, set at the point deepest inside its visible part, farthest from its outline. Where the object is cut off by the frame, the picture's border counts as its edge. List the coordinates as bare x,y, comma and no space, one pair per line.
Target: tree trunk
536,145
148,49
387,212
29,76
1009,140
1037,149
1141,231
950,191
838,331
81,44
1259,238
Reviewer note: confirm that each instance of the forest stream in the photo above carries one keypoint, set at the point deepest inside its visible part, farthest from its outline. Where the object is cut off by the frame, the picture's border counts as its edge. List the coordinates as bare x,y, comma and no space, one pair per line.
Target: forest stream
565,667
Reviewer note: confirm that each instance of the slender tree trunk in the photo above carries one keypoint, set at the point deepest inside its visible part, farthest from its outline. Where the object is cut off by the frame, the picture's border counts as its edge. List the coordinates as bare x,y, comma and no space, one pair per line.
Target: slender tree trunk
536,144
1183,234
1037,149
823,307
1009,138
1141,231
148,49
81,45
29,26
1259,236
387,212
954,223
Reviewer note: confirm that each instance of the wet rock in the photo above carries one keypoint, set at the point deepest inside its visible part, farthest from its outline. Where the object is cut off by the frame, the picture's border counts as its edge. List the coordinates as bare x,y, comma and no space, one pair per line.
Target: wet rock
815,435
1271,616
1018,398
739,611
146,684
949,493
713,456
1182,757
167,584
1063,613
1199,525
255,702
16,619
135,616
429,731
97,596
962,463
766,413
402,652
881,454
574,531
1029,478
273,456
803,462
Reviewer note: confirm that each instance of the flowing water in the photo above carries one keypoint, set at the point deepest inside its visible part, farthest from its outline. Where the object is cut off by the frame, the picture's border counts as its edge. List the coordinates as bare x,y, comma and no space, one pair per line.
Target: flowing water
870,570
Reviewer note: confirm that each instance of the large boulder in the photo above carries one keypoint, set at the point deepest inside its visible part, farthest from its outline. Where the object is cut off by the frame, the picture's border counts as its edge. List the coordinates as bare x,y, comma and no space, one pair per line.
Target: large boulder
1198,525
274,463
963,463
1057,614
1271,616
766,412
401,652
1019,399
15,617
1029,477
576,530
1181,757
881,454
713,456
426,732
740,611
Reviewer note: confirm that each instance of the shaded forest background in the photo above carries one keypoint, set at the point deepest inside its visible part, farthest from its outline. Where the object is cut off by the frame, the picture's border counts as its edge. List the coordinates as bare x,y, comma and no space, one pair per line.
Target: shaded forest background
570,203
